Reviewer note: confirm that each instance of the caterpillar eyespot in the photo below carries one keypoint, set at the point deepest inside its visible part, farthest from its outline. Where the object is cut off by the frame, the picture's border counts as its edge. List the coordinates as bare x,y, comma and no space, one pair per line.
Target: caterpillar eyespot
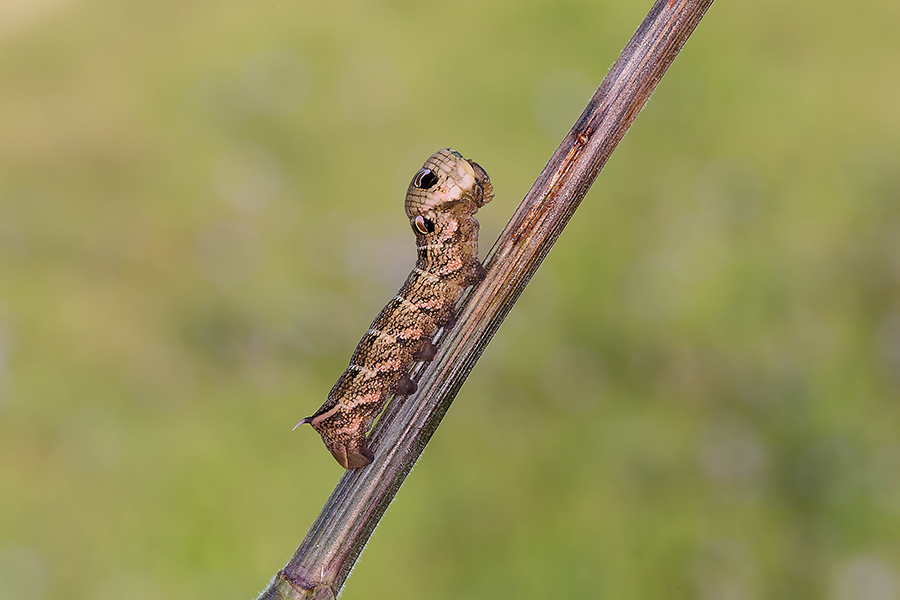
440,203
425,179
423,225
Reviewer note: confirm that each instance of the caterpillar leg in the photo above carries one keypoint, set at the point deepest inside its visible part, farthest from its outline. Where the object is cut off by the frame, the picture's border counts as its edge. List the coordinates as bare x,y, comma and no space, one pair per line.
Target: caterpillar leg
352,453
446,320
348,448
472,274
405,386
426,351
344,432
478,273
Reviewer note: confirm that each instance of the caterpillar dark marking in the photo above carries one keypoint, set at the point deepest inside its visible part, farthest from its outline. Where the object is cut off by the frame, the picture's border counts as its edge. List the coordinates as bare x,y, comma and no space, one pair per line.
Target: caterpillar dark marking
440,202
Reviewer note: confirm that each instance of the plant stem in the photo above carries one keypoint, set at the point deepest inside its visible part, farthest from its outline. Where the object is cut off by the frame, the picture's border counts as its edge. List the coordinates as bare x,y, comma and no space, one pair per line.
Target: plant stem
334,542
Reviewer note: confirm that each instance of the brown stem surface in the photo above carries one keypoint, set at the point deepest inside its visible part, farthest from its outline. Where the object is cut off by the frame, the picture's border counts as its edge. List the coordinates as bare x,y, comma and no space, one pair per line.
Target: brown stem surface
324,559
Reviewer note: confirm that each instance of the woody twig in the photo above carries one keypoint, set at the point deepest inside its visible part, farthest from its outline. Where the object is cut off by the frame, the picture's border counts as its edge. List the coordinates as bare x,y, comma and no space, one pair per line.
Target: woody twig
333,544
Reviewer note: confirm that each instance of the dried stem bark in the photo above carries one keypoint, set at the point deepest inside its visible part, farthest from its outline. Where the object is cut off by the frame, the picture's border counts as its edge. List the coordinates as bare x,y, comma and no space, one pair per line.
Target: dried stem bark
324,559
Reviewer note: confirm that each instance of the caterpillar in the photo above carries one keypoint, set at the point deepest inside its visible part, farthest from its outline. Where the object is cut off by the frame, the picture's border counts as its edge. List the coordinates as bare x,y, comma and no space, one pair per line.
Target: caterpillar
440,202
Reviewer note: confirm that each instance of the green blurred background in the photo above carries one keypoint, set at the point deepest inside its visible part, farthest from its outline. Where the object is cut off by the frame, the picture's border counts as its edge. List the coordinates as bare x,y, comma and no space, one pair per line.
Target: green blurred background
201,212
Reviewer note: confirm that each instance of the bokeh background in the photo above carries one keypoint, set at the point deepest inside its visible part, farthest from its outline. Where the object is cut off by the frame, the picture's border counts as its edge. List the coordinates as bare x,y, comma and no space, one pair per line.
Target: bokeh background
201,212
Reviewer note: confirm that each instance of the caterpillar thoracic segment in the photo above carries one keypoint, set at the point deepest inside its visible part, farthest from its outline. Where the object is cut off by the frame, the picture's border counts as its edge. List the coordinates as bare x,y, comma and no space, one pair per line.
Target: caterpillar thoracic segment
440,202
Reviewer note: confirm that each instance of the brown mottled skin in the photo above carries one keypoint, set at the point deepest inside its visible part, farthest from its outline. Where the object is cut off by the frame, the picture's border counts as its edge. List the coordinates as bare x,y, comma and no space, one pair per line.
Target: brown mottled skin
440,202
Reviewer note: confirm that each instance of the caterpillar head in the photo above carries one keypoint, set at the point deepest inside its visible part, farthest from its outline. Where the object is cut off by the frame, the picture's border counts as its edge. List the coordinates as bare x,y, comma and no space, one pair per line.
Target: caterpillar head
447,182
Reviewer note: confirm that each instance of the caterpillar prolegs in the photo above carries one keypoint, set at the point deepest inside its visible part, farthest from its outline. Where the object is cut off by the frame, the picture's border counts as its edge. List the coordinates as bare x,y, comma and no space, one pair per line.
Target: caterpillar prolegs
440,202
